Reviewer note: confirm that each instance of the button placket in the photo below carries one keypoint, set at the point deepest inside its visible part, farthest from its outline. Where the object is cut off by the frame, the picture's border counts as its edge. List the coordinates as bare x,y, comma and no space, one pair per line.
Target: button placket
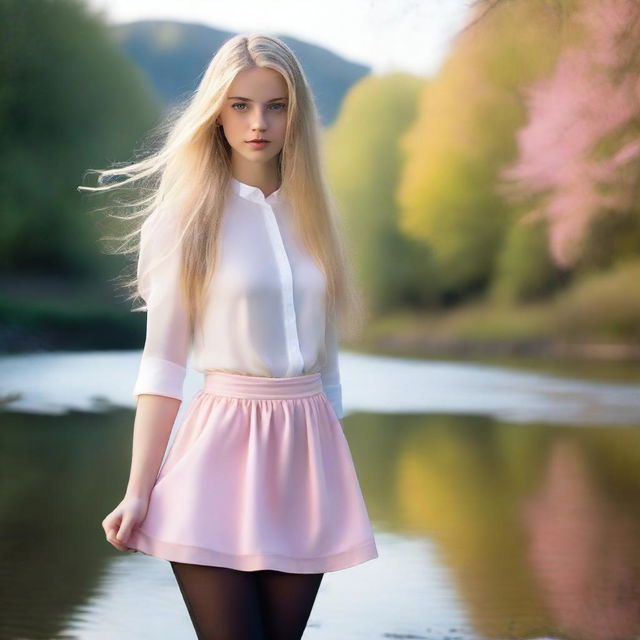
296,360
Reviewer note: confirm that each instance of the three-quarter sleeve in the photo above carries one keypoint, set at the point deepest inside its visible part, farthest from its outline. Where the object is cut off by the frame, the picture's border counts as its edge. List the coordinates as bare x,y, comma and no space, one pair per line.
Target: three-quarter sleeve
163,365
330,371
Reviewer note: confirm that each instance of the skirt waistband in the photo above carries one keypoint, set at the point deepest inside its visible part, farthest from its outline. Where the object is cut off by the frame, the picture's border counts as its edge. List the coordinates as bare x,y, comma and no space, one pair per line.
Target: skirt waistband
240,385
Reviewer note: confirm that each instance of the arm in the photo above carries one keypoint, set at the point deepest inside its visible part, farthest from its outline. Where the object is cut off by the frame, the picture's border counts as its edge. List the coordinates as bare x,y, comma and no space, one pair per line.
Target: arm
158,387
330,371
154,420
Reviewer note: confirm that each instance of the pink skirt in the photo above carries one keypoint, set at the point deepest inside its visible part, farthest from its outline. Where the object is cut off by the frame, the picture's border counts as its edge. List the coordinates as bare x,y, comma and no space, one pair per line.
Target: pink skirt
259,476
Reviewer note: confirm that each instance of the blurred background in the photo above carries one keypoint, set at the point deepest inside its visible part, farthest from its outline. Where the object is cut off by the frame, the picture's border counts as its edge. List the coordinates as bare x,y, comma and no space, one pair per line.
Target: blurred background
485,156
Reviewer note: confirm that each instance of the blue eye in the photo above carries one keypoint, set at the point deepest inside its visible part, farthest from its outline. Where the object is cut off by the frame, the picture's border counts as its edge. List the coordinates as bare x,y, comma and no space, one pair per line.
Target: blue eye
276,104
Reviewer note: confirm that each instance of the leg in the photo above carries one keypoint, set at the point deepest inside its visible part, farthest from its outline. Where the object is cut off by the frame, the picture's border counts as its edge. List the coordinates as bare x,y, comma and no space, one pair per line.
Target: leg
222,603
286,600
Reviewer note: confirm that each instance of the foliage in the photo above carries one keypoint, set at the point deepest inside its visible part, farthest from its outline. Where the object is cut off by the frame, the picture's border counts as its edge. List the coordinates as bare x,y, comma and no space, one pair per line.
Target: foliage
464,134
579,154
602,306
69,100
364,166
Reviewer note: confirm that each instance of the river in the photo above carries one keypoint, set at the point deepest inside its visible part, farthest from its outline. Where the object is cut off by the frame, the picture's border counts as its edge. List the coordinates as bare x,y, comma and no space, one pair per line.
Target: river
505,502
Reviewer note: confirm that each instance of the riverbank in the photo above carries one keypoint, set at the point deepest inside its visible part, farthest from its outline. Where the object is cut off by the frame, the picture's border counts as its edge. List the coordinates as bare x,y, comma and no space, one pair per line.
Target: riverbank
52,314
597,317
566,328
485,330
462,333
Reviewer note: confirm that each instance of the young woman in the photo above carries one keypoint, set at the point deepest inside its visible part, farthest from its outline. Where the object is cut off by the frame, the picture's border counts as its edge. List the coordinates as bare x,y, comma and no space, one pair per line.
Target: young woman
241,262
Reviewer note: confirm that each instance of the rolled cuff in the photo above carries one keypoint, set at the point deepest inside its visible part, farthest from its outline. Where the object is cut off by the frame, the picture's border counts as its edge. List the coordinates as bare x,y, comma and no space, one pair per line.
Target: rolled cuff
334,395
160,377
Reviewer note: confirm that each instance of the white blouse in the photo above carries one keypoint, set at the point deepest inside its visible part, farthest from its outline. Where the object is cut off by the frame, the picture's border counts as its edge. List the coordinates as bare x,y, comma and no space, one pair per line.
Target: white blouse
265,313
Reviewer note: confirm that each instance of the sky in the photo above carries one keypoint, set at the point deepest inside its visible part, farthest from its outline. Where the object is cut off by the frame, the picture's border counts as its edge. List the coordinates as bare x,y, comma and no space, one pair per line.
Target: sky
387,35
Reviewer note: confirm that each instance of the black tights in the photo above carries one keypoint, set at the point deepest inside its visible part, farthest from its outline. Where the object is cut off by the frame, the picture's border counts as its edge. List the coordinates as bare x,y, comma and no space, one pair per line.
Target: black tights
228,604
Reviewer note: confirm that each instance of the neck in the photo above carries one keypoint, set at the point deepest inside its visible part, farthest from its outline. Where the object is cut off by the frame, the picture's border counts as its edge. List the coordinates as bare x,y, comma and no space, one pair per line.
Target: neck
263,176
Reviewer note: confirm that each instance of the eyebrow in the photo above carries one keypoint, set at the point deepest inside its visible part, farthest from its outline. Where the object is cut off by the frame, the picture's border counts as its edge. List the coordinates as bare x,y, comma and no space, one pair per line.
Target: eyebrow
250,100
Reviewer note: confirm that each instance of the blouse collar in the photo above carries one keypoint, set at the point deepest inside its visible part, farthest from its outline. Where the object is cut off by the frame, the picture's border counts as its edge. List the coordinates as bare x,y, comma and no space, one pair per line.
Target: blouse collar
254,193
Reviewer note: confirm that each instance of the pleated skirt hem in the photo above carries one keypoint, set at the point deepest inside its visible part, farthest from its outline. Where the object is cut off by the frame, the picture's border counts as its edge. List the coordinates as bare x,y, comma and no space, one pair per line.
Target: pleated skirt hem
255,562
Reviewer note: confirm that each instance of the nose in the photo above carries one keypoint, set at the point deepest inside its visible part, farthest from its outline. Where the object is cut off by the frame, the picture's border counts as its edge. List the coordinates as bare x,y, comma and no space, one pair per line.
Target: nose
259,123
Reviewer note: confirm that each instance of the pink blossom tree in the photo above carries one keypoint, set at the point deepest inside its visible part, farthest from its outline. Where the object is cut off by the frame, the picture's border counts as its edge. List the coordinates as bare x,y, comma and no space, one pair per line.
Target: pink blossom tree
579,154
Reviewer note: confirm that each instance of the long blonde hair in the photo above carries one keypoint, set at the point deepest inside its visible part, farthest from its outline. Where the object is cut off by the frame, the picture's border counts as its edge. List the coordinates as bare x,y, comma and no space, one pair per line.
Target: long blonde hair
187,179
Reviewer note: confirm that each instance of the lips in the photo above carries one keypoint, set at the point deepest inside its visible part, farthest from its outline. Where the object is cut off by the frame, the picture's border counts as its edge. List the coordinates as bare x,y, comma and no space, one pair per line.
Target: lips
258,140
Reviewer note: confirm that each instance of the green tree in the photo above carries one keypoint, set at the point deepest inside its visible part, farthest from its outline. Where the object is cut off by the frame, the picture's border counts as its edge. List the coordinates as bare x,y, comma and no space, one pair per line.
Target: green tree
364,165
69,100
464,134
524,268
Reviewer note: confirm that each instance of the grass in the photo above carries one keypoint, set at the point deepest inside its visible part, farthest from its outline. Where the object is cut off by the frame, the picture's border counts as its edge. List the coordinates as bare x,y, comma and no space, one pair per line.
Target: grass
599,316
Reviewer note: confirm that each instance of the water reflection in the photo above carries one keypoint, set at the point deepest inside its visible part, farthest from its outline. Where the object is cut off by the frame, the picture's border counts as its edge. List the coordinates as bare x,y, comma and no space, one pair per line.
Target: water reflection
486,529
538,525
583,531
58,476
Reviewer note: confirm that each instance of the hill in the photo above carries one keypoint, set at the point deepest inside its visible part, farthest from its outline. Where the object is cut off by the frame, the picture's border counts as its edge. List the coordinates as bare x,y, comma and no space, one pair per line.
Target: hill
174,55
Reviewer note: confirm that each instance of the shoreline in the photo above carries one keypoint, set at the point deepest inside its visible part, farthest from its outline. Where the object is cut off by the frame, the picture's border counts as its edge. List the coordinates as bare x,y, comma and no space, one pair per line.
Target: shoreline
398,343
426,347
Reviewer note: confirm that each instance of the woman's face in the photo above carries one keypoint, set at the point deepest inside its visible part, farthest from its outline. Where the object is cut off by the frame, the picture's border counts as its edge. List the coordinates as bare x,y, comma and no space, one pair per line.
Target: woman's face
255,107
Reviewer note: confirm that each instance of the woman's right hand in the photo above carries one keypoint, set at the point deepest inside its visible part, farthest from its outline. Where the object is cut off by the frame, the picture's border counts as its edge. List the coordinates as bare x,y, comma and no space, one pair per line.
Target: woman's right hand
121,521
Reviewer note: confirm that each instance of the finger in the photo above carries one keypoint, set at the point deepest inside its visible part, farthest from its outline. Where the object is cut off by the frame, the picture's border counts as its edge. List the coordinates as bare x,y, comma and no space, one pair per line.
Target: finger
125,530
112,538
111,522
118,545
